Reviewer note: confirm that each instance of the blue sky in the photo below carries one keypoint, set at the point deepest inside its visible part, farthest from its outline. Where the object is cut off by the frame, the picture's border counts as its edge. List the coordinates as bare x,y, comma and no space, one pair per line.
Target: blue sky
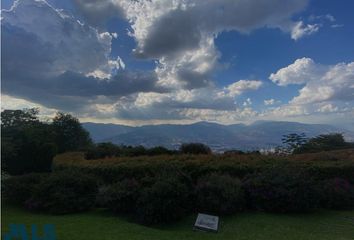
142,62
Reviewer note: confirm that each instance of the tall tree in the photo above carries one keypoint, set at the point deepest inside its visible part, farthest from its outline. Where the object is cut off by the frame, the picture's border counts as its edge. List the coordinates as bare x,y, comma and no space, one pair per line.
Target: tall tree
69,134
17,118
27,145
325,142
294,141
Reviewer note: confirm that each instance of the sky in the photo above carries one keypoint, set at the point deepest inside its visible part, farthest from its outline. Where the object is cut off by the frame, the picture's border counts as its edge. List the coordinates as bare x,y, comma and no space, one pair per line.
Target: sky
180,61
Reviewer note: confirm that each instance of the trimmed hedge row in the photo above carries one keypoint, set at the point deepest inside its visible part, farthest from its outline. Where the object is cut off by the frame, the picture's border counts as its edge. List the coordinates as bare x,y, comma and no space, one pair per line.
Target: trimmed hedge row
161,200
321,166
165,191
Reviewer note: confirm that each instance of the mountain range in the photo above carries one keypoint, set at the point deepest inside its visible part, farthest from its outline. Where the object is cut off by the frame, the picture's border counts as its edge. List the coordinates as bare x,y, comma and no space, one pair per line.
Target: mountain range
259,135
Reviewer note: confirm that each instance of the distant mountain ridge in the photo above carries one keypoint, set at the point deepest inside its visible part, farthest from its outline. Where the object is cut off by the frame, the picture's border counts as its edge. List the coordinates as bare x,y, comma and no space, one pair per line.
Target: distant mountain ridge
260,134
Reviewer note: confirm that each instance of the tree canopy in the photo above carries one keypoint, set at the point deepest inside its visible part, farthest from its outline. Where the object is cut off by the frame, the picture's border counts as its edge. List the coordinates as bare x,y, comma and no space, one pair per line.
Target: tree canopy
29,145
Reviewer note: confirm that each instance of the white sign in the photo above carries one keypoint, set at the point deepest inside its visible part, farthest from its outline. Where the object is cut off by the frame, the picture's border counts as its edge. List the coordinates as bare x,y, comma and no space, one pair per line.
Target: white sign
207,222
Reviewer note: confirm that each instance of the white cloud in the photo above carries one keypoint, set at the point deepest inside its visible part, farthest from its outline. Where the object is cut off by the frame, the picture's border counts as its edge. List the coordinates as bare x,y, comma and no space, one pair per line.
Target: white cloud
248,102
322,83
337,25
156,21
326,17
241,86
9,102
223,116
327,92
301,71
191,69
180,34
328,108
65,41
300,30
81,77
269,102
50,58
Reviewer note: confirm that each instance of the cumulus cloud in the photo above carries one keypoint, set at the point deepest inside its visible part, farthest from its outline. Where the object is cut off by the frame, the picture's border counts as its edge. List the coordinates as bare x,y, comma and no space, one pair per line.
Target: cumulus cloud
240,114
184,23
321,82
269,102
176,104
96,12
53,38
327,91
241,86
192,69
51,58
328,107
180,34
300,30
248,102
301,71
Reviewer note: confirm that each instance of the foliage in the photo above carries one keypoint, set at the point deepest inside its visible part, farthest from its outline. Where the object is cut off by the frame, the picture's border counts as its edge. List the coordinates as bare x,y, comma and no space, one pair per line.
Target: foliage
16,118
134,151
69,134
102,150
195,148
159,150
120,197
325,142
294,141
165,201
322,165
219,194
29,145
18,189
64,192
234,152
281,190
337,193
109,150
27,148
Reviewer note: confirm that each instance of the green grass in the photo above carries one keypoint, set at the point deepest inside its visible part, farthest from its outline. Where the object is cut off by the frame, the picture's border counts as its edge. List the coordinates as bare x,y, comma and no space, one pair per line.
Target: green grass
98,224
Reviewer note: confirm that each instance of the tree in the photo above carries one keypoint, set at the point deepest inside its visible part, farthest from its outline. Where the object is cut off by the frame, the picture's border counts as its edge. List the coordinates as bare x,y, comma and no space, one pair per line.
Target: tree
324,142
27,144
17,118
293,141
195,148
69,134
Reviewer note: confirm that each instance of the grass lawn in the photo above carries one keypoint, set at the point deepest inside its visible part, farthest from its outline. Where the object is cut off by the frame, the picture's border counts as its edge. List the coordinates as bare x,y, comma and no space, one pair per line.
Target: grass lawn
100,225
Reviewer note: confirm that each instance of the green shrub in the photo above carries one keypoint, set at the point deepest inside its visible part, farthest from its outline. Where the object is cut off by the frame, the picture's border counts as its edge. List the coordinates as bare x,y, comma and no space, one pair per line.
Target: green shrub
165,201
64,192
120,197
219,194
337,193
19,189
281,190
